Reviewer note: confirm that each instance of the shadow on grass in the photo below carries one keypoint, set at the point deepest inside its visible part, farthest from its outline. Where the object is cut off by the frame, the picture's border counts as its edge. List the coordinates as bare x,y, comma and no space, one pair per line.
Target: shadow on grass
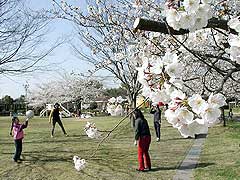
191,166
194,166
202,165
180,138
34,158
154,169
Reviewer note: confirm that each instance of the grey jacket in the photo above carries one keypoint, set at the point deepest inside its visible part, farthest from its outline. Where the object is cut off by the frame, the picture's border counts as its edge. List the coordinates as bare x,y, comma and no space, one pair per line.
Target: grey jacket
156,114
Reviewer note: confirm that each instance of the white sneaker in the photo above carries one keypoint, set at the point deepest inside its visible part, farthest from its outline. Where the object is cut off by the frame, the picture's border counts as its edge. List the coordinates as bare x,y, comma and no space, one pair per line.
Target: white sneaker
158,139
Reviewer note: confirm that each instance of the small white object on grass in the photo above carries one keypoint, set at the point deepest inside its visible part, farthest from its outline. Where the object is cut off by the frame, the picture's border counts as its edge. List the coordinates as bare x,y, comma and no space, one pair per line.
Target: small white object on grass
79,163
91,130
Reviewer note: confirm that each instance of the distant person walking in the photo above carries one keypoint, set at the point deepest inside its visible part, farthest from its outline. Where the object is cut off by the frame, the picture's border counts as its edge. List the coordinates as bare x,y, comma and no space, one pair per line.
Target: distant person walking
143,139
155,110
17,132
55,118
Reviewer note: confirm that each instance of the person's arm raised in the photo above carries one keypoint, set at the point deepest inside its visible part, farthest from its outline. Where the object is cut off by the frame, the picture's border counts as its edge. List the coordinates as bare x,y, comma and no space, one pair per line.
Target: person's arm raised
50,116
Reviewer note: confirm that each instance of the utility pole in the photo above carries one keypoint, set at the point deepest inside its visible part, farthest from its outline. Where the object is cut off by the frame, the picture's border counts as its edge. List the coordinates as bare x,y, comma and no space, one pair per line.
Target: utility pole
26,87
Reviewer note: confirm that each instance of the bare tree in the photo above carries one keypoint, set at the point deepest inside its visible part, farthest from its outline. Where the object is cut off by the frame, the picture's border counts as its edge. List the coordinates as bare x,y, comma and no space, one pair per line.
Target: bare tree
21,37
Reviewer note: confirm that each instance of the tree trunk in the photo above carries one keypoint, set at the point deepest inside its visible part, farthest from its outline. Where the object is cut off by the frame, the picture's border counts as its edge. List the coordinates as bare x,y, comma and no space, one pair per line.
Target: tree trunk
132,101
223,117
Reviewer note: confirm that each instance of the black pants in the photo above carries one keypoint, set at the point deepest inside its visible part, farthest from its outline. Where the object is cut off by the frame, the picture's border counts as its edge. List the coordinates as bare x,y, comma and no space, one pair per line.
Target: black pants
60,124
18,146
157,126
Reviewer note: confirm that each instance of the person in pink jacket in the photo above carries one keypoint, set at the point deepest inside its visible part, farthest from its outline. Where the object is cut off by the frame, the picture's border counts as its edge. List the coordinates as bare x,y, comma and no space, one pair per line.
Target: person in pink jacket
17,132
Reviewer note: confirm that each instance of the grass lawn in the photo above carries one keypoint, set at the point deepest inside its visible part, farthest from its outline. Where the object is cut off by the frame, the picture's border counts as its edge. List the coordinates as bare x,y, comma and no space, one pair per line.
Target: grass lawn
51,158
220,157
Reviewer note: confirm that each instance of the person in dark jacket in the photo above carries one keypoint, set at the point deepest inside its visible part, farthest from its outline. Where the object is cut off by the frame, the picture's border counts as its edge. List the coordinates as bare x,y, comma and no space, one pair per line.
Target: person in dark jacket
55,118
155,110
143,139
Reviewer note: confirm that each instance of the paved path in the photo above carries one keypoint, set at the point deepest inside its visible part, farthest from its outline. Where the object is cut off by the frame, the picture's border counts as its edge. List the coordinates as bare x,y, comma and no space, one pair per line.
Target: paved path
237,118
185,171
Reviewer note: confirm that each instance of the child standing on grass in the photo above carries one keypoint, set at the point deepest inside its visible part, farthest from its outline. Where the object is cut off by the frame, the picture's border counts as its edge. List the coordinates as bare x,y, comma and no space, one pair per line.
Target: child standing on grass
18,134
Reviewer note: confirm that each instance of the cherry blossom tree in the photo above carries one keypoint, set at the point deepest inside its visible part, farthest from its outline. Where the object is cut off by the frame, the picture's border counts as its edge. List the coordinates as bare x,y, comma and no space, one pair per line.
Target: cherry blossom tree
104,26
177,44
205,34
215,49
105,29
66,89
161,57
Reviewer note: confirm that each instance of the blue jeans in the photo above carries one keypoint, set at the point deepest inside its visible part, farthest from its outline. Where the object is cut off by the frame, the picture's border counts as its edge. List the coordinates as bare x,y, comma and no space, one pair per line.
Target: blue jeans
18,146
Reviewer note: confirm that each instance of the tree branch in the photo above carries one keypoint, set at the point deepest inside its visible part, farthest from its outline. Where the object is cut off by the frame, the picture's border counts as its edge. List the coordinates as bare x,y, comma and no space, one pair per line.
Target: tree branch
149,25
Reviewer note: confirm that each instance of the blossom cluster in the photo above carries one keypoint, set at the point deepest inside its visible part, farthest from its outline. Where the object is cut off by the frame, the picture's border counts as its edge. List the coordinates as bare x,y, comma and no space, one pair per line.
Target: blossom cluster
148,9
194,115
160,77
114,106
79,163
91,130
234,40
188,14
161,82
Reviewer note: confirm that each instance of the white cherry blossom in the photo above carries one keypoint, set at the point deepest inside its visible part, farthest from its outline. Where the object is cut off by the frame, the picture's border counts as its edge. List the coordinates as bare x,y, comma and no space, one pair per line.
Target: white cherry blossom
217,100
191,5
176,82
178,95
200,22
146,91
187,20
197,103
172,118
174,69
173,17
184,115
157,67
204,10
196,128
211,114
234,40
191,14
169,57
234,23
185,131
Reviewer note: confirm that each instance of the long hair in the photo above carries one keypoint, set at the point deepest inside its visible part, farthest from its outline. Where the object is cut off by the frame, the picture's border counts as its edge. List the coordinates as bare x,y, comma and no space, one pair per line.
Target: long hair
138,114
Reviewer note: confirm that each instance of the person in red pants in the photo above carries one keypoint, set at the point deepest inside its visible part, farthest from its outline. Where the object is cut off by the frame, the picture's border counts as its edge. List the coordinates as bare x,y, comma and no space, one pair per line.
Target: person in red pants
143,139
